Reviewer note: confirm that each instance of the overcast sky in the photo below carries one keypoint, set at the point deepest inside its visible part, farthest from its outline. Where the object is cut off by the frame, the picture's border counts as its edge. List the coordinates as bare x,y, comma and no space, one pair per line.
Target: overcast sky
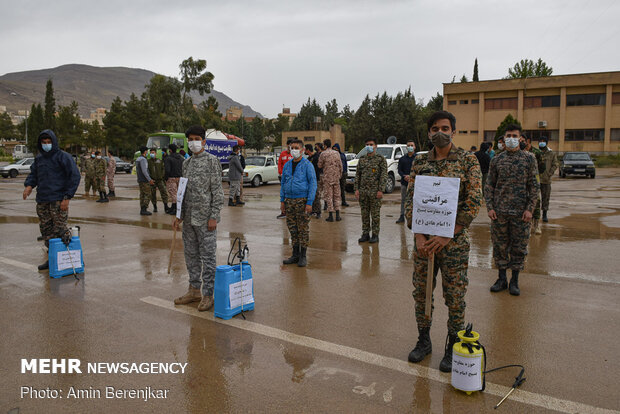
270,54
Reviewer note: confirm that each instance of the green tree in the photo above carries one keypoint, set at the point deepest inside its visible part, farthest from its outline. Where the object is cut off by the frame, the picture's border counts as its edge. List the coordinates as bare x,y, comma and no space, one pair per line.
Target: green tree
255,134
94,137
435,103
7,129
194,76
501,129
305,120
69,128
164,98
36,124
464,79
475,78
115,122
50,106
209,114
527,68
331,114
276,128
362,125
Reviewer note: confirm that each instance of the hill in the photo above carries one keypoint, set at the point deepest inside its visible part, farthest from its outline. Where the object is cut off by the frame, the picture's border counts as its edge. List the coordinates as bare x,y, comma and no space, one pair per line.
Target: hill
90,86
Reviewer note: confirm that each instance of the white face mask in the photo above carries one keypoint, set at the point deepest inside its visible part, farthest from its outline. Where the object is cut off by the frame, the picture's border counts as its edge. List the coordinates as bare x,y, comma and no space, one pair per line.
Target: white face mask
296,153
512,142
98,157
410,149
500,146
194,146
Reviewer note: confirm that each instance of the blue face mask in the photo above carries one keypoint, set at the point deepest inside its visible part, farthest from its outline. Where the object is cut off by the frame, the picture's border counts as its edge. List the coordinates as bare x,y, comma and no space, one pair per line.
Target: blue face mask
46,147
542,144
152,155
370,148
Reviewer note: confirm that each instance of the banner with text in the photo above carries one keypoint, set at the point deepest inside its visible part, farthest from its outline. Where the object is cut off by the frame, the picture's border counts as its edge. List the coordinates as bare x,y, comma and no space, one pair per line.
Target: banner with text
435,201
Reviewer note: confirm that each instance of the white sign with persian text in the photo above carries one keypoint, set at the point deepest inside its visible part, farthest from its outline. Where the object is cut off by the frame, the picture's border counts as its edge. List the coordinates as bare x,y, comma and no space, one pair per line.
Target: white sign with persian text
69,259
435,202
240,290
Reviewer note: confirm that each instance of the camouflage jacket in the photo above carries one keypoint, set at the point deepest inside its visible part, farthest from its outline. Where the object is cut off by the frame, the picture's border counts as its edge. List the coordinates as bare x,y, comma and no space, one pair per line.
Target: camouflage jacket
539,159
330,162
371,174
111,166
459,164
204,196
156,168
89,167
550,160
512,184
99,167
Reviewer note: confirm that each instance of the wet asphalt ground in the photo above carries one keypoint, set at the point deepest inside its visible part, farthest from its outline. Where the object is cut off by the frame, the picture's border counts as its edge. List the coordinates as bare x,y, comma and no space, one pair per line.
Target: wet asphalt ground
331,337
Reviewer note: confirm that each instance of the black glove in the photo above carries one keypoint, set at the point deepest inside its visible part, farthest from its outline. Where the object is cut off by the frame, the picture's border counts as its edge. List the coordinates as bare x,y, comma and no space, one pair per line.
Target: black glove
66,237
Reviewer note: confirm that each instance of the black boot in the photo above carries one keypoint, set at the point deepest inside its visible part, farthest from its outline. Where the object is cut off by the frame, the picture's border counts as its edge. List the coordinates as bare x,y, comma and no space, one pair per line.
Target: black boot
401,219
338,218
545,219
374,238
344,203
423,347
231,203
166,208
365,237
44,266
514,283
295,257
302,257
111,194
105,198
238,201
144,211
101,199
500,283
330,217
154,207
446,362
173,209
325,205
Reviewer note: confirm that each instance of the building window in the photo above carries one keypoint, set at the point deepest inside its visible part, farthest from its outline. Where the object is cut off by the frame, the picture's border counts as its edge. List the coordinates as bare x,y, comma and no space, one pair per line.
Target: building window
489,136
541,101
451,102
536,134
585,99
500,103
615,134
463,102
462,132
615,98
584,135
290,138
475,101
473,132
308,139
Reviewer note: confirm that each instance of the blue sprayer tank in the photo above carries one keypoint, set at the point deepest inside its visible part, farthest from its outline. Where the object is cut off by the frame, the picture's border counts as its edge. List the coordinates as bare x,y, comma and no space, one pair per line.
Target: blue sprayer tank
226,275
60,263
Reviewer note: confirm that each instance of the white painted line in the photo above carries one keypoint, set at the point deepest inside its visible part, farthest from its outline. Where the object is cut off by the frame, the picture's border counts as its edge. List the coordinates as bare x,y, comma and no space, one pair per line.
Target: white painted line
21,265
525,397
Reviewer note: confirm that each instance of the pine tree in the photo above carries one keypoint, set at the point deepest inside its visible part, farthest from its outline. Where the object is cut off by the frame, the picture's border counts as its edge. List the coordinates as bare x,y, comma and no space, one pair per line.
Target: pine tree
475,77
50,106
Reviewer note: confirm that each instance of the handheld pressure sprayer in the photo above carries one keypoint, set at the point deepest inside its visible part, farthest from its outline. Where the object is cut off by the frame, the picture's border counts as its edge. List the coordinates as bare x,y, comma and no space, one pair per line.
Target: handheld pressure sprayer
242,254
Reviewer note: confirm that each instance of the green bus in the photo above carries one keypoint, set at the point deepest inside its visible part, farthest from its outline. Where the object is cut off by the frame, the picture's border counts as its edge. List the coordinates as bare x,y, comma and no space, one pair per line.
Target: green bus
218,145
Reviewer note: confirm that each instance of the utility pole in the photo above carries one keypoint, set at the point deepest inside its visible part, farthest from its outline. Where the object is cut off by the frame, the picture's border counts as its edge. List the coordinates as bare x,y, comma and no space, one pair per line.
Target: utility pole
26,129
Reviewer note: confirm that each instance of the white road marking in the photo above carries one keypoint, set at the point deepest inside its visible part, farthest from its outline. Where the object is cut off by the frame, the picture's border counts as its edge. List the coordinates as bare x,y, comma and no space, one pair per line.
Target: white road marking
21,265
525,397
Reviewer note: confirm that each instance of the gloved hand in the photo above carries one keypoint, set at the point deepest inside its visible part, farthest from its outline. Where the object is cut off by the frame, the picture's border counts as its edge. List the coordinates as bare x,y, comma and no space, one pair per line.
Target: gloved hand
66,237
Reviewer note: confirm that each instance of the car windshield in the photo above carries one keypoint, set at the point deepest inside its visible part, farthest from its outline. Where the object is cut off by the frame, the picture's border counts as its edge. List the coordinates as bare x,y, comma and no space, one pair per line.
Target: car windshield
258,161
577,157
158,141
22,161
385,151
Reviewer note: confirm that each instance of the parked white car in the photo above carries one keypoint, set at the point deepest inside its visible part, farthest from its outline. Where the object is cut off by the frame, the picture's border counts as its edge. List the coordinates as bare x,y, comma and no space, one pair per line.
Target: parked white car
20,167
258,169
392,154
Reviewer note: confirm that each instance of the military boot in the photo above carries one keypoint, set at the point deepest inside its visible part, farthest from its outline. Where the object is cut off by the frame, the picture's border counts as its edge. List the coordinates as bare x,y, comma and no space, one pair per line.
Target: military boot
537,229
173,209
44,266
231,203
545,219
338,218
423,347
105,198
302,257
330,217
374,238
154,207
401,219
100,197
111,194
365,237
514,283
500,283
325,205
206,303
295,257
446,362
144,211
166,208
238,201
192,295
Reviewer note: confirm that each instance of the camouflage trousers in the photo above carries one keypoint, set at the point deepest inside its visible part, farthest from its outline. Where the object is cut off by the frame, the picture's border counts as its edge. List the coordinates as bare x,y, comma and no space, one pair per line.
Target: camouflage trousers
370,207
545,195
510,236
172,186
199,246
453,261
331,194
89,182
316,204
145,194
297,221
536,213
110,182
159,185
234,189
99,184
52,220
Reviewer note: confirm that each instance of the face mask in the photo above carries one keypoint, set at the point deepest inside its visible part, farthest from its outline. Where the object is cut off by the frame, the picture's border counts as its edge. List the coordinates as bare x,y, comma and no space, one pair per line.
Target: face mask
441,139
512,142
152,155
540,145
296,153
522,145
92,155
410,149
98,157
500,146
370,148
195,146
46,147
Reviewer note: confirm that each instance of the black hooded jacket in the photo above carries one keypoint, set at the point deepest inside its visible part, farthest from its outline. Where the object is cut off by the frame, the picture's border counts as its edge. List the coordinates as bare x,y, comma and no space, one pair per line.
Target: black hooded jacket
54,173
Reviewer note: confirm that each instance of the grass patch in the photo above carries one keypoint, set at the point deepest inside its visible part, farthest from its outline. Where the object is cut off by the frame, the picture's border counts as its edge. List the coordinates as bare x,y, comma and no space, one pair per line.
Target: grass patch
603,161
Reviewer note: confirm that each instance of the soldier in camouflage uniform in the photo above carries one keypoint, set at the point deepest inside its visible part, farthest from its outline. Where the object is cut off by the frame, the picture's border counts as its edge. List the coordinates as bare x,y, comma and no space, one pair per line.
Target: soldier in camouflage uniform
550,160
525,143
156,171
100,171
331,164
89,174
200,213
144,181
297,193
370,181
451,254
110,173
511,195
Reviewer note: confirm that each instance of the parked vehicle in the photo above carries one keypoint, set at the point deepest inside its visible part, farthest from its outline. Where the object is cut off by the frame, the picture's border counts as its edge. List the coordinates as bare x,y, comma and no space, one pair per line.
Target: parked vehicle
121,166
21,151
258,169
350,156
20,167
392,153
577,163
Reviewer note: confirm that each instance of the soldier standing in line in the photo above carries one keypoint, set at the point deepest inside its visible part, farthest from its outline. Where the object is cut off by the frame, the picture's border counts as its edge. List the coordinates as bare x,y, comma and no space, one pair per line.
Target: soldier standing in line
314,159
110,174
235,177
404,167
370,181
100,172
157,172
89,174
144,181
331,164
550,161
451,254
296,196
343,179
200,213
525,144
511,195
173,168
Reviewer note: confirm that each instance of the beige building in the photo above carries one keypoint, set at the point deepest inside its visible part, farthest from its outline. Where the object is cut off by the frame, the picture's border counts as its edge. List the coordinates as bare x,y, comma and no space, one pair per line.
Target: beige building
576,112
286,112
312,137
96,115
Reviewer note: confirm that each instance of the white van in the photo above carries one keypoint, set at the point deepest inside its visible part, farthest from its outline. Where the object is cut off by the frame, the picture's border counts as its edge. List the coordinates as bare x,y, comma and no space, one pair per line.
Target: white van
21,151
392,153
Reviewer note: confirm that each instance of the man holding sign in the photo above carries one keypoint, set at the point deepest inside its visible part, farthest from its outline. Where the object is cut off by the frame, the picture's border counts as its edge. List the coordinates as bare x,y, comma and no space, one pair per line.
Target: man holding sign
451,251
200,212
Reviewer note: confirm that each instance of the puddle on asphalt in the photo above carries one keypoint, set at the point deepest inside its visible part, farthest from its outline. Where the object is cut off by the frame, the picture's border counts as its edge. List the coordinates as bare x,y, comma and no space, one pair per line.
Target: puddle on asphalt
101,220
